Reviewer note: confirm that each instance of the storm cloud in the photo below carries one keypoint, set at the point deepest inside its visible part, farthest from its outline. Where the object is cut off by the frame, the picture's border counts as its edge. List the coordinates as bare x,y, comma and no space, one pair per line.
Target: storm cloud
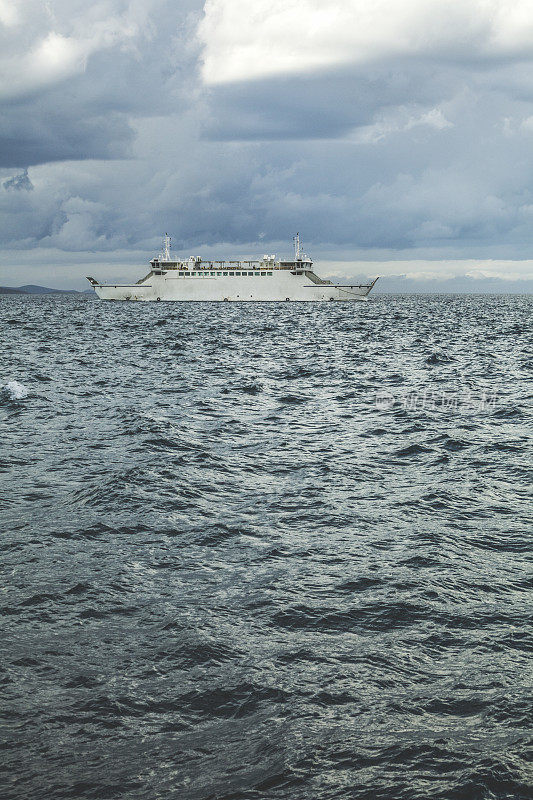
400,131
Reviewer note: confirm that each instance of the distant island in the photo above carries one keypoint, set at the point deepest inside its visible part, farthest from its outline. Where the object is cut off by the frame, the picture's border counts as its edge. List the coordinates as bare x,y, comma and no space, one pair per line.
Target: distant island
30,288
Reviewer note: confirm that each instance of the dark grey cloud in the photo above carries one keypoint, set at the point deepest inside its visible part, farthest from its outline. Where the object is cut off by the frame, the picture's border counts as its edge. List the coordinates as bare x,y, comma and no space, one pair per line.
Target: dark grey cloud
61,126
327,105
87,114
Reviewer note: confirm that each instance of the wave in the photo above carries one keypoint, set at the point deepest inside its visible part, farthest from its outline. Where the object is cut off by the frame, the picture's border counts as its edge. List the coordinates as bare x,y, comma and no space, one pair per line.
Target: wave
15,390
233,575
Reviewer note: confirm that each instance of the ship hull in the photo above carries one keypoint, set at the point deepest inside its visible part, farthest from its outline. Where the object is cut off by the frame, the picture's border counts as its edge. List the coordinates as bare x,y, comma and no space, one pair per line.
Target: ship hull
275,286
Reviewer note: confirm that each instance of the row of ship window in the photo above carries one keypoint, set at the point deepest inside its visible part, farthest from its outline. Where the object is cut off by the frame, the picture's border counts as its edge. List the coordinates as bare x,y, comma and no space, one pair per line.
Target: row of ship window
206,274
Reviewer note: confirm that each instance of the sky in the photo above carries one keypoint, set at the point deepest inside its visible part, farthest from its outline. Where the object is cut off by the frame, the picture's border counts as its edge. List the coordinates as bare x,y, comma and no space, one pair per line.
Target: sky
396,136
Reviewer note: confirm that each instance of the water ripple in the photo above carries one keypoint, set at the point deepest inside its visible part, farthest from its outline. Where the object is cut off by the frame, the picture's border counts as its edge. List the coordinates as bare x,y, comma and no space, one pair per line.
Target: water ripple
264,552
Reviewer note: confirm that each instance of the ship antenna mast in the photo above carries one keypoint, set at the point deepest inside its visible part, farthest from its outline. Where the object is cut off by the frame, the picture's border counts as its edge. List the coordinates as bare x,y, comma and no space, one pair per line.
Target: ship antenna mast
297,247
166,247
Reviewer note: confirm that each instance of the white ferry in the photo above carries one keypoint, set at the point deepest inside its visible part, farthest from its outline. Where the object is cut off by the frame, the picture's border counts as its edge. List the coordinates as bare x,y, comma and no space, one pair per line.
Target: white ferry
196,279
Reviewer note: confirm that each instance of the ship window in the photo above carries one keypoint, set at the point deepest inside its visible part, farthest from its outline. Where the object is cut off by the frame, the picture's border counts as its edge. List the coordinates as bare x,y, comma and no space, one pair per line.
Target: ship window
219,273
224,273
269,273
182,273
237,273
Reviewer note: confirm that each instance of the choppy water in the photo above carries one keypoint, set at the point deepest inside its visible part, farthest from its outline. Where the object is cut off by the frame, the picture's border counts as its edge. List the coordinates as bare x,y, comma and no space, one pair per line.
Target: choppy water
266,551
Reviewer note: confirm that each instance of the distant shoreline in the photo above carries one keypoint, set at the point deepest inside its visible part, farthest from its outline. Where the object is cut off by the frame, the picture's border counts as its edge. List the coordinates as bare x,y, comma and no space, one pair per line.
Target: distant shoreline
31,289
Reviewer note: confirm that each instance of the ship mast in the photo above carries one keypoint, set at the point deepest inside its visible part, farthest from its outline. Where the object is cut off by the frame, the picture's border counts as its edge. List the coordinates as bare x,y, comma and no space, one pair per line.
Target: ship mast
166,247
297,247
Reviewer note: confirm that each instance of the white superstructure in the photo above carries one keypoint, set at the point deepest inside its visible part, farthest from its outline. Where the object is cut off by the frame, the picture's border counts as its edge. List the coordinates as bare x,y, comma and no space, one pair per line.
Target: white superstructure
196,279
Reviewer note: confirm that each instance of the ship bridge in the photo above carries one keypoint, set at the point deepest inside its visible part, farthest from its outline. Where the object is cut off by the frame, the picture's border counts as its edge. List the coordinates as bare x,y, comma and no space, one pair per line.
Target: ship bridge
300,263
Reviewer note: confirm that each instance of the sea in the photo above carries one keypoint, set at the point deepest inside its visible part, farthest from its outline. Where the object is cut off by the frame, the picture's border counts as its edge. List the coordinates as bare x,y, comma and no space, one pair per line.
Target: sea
266,551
